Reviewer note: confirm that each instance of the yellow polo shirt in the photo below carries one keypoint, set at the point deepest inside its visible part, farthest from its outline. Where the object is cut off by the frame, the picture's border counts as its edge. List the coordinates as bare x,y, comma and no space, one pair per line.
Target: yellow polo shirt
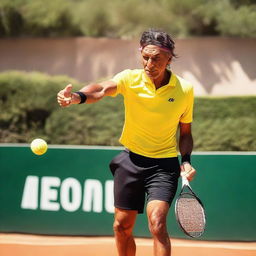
152,116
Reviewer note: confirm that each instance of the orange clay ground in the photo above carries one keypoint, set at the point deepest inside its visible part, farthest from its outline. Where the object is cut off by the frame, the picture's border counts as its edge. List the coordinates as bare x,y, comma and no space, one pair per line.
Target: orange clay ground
35,245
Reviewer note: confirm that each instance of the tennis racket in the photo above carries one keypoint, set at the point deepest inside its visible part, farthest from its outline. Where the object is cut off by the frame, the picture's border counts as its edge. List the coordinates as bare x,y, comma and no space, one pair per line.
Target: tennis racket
189,211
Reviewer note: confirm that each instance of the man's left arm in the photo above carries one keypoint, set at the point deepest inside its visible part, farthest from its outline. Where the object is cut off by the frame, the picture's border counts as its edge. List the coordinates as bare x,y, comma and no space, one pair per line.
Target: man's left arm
186,147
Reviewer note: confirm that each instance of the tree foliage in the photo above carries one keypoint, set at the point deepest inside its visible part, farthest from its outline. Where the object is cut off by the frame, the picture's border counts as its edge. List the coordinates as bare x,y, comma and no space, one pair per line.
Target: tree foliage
118,18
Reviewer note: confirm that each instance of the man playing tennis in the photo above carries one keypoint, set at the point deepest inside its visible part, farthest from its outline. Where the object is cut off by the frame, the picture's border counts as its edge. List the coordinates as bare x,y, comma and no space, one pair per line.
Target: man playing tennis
157,102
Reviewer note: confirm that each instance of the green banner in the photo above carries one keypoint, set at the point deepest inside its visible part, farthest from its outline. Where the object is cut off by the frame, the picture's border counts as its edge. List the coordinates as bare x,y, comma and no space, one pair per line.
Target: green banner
68,191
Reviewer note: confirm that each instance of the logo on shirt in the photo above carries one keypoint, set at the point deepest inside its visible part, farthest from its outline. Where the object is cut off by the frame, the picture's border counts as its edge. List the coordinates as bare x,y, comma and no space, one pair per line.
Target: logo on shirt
171,100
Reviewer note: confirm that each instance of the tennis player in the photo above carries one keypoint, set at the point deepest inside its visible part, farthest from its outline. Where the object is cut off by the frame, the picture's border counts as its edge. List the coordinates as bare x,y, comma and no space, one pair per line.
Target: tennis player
157,102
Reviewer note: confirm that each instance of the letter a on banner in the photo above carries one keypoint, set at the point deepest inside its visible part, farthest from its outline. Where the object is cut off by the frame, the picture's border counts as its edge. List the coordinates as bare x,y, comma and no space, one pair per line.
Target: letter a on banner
30,193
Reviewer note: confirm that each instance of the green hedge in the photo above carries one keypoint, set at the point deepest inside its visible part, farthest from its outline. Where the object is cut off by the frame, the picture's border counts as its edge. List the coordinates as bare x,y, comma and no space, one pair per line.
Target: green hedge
29,110
226,123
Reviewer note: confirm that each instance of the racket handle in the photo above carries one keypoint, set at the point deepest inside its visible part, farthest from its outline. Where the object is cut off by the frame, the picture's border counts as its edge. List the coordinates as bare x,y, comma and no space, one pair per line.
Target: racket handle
185,181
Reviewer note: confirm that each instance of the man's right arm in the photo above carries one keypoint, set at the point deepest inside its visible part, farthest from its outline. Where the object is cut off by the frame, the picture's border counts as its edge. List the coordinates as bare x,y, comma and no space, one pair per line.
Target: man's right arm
92,92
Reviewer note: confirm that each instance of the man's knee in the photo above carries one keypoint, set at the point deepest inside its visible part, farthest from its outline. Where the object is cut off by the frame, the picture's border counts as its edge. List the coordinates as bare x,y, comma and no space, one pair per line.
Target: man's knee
157,225
124,222
122,228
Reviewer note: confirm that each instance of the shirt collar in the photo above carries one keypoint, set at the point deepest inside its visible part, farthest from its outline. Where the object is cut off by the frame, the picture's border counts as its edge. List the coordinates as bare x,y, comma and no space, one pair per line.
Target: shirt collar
172,81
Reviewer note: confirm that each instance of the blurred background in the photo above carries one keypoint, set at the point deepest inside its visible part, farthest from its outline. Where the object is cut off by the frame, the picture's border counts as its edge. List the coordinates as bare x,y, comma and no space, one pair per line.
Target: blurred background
47,44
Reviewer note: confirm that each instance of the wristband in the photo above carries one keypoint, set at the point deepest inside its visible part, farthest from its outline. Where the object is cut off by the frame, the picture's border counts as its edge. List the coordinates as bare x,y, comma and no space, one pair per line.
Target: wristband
82,96
186,158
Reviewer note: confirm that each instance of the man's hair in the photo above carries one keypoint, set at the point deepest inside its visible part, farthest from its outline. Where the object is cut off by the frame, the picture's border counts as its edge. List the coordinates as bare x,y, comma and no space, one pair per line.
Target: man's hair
158,38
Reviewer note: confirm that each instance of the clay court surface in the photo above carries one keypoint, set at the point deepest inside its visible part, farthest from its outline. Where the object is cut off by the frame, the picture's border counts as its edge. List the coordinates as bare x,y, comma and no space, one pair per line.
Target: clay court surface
35,245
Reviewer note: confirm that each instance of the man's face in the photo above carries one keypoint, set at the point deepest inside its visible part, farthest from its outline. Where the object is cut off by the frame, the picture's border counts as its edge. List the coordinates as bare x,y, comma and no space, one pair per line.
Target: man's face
155,61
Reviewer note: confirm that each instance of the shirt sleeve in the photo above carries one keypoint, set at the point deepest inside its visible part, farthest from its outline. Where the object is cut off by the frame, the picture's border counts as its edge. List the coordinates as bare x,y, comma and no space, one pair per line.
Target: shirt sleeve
187,116
122,80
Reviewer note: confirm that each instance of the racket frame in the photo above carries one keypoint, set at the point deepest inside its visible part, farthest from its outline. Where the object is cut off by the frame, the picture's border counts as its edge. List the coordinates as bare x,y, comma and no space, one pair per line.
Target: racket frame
186,186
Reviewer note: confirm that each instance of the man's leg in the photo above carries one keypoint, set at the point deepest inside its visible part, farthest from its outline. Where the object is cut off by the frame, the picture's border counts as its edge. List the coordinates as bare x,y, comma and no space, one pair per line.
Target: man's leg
157,212
123,226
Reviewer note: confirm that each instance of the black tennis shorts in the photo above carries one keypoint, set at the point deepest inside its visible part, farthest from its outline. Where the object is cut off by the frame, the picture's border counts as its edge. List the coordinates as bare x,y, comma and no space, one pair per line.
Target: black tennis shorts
137,177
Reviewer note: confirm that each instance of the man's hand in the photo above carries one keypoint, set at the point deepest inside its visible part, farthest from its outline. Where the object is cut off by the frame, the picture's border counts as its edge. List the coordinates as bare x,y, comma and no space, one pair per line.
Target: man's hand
64,97
187,171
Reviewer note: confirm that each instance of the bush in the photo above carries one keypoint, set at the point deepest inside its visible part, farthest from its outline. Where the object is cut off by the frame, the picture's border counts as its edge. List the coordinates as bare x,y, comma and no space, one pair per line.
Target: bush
49,18
118,18
11,20
230,18
27,101
29,110
225,124
94,124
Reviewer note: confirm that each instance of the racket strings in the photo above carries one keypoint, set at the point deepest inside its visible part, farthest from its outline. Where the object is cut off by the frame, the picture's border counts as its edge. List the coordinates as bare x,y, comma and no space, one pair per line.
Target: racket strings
191,215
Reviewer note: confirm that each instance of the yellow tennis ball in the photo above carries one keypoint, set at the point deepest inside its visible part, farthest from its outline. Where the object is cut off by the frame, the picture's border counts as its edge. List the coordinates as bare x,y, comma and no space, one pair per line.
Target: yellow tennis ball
38,146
